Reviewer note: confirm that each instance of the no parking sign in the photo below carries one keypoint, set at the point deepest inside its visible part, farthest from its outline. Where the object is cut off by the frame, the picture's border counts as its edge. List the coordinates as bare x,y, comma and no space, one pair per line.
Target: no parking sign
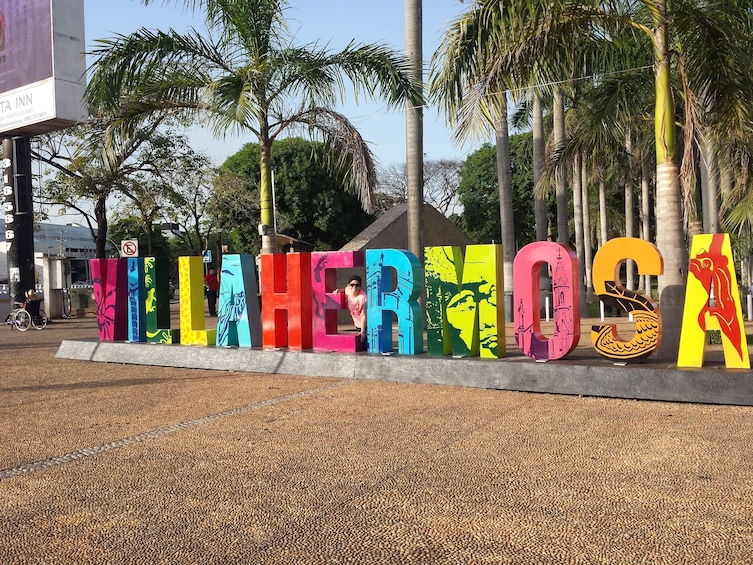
129,248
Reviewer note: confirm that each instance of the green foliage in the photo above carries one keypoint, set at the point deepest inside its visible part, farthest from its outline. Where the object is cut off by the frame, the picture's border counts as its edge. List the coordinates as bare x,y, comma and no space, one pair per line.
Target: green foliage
310,201
714,337
479,193
234,205
244,73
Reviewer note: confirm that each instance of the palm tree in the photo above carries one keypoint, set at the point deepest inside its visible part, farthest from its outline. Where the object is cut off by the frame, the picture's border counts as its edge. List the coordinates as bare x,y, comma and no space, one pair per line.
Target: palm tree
708,41
539,158
245,75
560,182
474,98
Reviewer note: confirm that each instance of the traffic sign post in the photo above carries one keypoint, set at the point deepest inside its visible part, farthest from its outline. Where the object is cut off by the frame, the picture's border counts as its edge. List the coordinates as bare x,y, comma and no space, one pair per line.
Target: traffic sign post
129,248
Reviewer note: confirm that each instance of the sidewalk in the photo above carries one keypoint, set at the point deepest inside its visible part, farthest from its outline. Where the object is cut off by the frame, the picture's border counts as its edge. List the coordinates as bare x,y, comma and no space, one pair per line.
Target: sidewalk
107,463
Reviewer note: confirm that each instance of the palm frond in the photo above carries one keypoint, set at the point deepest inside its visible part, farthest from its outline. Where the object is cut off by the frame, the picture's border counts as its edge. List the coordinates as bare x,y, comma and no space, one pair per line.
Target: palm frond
346,152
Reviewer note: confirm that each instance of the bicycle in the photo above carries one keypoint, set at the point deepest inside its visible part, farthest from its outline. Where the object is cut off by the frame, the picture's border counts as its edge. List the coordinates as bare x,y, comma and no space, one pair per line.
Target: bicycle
26,314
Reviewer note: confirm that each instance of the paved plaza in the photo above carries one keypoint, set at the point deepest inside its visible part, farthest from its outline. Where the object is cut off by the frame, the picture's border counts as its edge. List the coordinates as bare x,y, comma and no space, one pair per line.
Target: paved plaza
114,463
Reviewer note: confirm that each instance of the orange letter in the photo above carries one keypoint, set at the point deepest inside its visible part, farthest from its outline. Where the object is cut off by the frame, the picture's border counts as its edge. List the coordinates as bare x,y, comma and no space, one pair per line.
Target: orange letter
607,284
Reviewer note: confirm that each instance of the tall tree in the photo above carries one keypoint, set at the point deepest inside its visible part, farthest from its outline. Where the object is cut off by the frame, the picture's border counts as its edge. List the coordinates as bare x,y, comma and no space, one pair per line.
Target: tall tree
244,74
563,216
473,93
441,179
310,203
89,164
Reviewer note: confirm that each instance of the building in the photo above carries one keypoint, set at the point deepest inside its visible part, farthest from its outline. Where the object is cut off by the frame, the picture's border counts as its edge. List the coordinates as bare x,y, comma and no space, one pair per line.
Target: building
71,241
390,231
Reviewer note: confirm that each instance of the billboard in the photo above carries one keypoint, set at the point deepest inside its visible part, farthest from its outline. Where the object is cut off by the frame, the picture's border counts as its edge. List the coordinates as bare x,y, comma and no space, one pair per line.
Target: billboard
42,65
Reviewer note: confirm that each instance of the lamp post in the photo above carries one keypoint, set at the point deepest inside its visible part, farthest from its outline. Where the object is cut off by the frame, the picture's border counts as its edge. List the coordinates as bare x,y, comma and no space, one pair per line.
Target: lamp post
60,252
115,245
220,250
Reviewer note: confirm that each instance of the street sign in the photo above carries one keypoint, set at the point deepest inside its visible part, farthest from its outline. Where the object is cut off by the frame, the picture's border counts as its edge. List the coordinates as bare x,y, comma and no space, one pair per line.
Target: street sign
129,248
207,255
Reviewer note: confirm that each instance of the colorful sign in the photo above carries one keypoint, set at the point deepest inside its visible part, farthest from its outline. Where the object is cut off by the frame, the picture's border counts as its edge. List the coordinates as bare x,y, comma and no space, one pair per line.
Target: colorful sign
157,310
110,290
326,302
393,285
238,315
463,314
565,299
192,327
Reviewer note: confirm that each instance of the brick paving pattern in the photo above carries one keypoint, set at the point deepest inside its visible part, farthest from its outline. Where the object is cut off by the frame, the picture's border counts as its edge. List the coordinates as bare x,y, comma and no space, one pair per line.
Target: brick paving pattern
107,463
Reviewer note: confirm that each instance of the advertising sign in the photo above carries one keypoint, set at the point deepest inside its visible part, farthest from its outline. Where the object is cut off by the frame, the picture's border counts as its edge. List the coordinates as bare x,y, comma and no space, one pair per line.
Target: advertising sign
42,65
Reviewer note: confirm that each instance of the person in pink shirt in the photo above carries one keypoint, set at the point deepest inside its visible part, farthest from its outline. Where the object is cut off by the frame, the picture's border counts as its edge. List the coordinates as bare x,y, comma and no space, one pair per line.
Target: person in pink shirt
356,298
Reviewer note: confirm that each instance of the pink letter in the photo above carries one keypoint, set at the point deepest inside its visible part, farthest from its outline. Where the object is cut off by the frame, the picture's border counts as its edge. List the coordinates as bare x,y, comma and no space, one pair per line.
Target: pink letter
110,280
565,299
327,303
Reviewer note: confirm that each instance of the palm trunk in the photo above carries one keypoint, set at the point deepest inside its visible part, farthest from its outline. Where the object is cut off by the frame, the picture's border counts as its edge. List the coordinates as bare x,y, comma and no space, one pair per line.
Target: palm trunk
670,237
603,232
587,242
646,211
630,213
710,187
269,237
669,229
505,202
578,220
563,235
414,129
539,157
540,204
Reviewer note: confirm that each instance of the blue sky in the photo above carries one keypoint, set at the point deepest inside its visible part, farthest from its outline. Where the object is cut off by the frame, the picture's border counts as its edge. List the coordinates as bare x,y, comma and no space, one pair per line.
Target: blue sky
330,22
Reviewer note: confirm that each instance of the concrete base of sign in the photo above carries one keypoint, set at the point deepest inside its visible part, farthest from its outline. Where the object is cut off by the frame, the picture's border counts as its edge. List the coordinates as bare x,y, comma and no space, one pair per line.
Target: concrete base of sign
586,377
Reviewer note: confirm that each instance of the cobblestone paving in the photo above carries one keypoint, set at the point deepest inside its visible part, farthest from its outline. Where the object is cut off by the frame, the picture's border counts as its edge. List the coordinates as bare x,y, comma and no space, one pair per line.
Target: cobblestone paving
131,464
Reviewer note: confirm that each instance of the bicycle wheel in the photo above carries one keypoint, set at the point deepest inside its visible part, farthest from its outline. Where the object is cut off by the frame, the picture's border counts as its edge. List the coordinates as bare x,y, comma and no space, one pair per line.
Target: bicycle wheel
39,321
23,320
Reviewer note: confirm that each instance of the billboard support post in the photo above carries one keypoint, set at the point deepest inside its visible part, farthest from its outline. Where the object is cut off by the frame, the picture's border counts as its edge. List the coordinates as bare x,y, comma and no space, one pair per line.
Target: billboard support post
19,216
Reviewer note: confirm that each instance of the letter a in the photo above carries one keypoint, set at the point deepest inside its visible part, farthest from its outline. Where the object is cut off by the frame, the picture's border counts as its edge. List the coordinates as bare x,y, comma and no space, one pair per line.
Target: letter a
711,273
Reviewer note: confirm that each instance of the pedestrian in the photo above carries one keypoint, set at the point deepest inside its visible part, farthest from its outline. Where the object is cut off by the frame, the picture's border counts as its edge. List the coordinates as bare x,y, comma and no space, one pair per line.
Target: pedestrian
212,285
356,299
